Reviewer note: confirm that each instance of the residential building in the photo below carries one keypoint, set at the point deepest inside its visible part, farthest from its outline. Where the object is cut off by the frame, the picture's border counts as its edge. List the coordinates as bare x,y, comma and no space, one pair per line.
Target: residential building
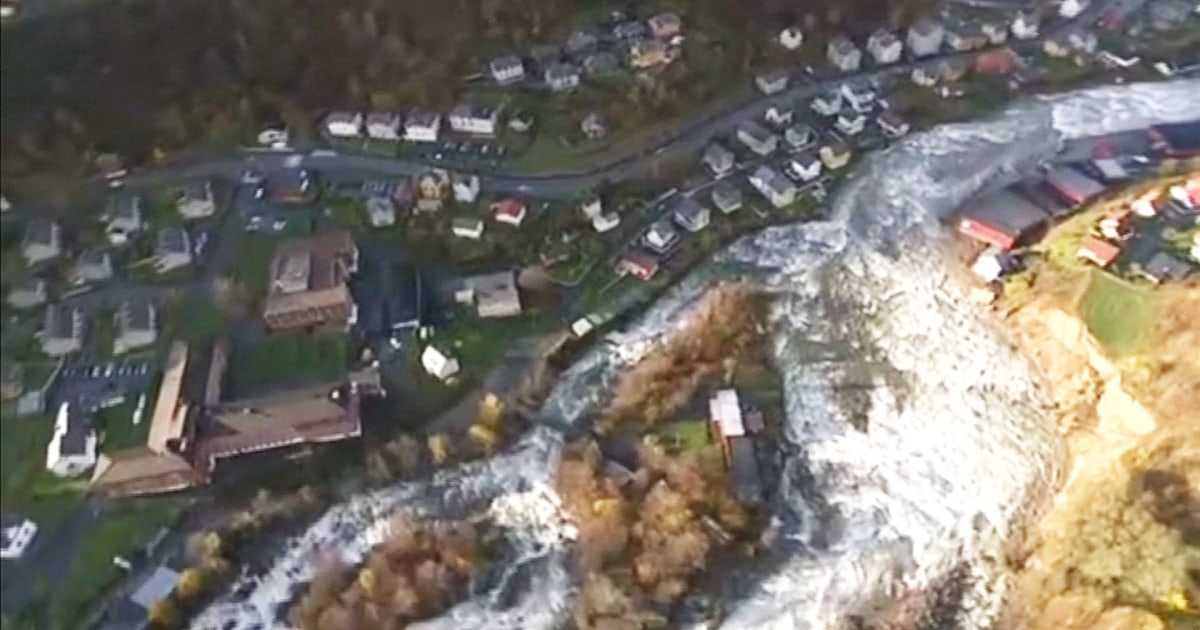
605,221
891,124
381,212
757,138
690,215
884,46
308,279
42,241
843,54
1071,8
1098,252
661,237
805,165
1162,267
62,330
778,116
467,118
859,96
772,82
600,63
743,470
851,123
630,29
1056,46
827,103
1147,205
965,36
1002,220
344,124
647,53
992,263
665,26
591,208
507,69
791,38
27,293
173,249
494,294
799,136
952,70
580,42
467,227
1084,42
136,324
639,264
383,125
1118,225
925,37
726,197
995,32
1025,26
16,534
835,155
996,62
725,419
92,265
509,212
1179,140
422,126
466,187
924,76
432,187
1072,186
124,215
291,185
593,126
72,448
718,159
562,77
195,201
776,188
439,364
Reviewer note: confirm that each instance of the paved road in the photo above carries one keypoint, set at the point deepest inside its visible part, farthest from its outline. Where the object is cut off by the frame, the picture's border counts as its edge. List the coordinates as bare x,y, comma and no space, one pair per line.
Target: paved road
689,141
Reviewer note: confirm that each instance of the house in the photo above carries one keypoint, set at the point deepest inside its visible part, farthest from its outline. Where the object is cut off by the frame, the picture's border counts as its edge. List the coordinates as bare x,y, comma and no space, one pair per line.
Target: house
600,63
996,62
72,449
509,212
1084,42
62,330
891,124
952,70
1072,186
467,118
136,324
308,283
542,55
661,236
593,126
439,364
827,103
966,36
835,155
1025,26
778,116
1179,140
1056,46
93,265
467,227
580,42
859,96
592,207
42,241
1117,225
422,126
1162,267
743,470
1098,252
756,137
289,185
466,187
494,294
381,211
690,215
791,38
605,221
647,53
383,125
344,124
639,264
776,188
725,419
851,123
772,82
1147,205
799,136
805,166
16,534
172,250
843,54
630,29
124,215
995,32
1071,8
1002,220
432,187
992,263
925,37
27,293
562,77
718,159
884,46
507,69
726,197
195,201
665,26
924,76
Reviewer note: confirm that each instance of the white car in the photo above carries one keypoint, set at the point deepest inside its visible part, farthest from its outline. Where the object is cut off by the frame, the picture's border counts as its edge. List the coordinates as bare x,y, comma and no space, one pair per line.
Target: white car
279,225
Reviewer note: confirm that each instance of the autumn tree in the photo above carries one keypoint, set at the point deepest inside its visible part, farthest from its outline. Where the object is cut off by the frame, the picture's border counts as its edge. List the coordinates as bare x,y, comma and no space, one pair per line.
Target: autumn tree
164,613
191,583
439,449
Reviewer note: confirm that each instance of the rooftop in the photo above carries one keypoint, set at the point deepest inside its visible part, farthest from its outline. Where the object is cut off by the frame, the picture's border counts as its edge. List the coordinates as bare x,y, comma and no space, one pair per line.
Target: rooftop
173,240
1007,212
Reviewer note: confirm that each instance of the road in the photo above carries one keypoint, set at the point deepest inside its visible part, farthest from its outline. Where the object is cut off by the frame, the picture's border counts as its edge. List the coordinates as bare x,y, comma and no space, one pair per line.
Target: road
688,141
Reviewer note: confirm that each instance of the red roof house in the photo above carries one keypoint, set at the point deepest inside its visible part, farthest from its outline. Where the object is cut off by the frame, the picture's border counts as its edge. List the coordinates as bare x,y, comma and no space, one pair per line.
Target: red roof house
640,265
1117,225
1001,220
1099,252
994,62
509,211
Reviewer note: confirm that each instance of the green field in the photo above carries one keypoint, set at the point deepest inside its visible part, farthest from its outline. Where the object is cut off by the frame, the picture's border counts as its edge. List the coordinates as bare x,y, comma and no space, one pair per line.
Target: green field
1119,314
289,360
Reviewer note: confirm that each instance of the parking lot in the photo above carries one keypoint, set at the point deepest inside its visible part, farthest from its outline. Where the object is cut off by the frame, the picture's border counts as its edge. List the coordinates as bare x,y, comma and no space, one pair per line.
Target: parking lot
466,150
98,385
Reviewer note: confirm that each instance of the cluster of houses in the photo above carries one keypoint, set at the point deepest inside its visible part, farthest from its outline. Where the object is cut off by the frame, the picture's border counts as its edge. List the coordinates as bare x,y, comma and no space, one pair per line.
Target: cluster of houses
65,328
1118,233
416,125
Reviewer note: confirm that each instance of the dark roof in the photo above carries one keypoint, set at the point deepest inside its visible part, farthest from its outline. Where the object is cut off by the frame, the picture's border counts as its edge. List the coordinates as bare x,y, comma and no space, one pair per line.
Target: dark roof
1006,212
93,257
201,191
40,231
1164,266
79,427
138,314
60,321
172,239
1040,195
743,470
1181,137
1073,185
806,158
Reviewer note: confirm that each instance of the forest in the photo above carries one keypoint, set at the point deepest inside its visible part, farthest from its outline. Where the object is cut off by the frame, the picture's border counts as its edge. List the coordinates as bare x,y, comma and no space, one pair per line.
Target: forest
147,78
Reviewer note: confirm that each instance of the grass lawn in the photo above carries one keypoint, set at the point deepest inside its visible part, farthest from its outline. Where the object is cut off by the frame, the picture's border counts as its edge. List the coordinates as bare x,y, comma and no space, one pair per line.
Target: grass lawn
117,423
290,359
688,435
252,263
1119,314
28,489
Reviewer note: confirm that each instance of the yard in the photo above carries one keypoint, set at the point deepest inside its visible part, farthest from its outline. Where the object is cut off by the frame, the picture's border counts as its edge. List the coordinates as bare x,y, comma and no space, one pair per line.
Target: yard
288,359
1120,315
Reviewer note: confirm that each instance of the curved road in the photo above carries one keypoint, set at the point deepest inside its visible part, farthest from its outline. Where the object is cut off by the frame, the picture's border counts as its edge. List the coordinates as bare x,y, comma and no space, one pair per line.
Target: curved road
689,141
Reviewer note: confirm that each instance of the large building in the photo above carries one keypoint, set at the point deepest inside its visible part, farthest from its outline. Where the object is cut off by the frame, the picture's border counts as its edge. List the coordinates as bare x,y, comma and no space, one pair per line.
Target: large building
1001,220
308,283
72,448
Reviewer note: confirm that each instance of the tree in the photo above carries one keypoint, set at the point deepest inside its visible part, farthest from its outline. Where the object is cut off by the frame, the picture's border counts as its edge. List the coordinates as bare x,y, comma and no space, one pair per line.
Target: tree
439,448
164,613
483,436
191,583
491,411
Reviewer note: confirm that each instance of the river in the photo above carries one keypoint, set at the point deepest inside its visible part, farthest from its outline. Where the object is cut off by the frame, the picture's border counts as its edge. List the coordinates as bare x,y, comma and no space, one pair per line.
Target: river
869,331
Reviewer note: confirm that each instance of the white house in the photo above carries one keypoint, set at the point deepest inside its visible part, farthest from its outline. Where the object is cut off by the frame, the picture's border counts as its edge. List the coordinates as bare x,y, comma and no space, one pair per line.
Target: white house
718,159
805,166
42,241
851,123
1025,26
1083,41
507,69
791,38
757,138
843,54
466,188
726,197
422,126
383,125
562,77
72,449
344,124
827,103
438,364
591,208
62,330
772,82
996,32
884,46
799,136
778,116
136,325
467,118
195,201
605,221
992,263
16,536
27,293
467,227
1071,8
661,236
925,37
381,211
124,214
173,249
772,185
690,215
891,124
859,96
93,265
